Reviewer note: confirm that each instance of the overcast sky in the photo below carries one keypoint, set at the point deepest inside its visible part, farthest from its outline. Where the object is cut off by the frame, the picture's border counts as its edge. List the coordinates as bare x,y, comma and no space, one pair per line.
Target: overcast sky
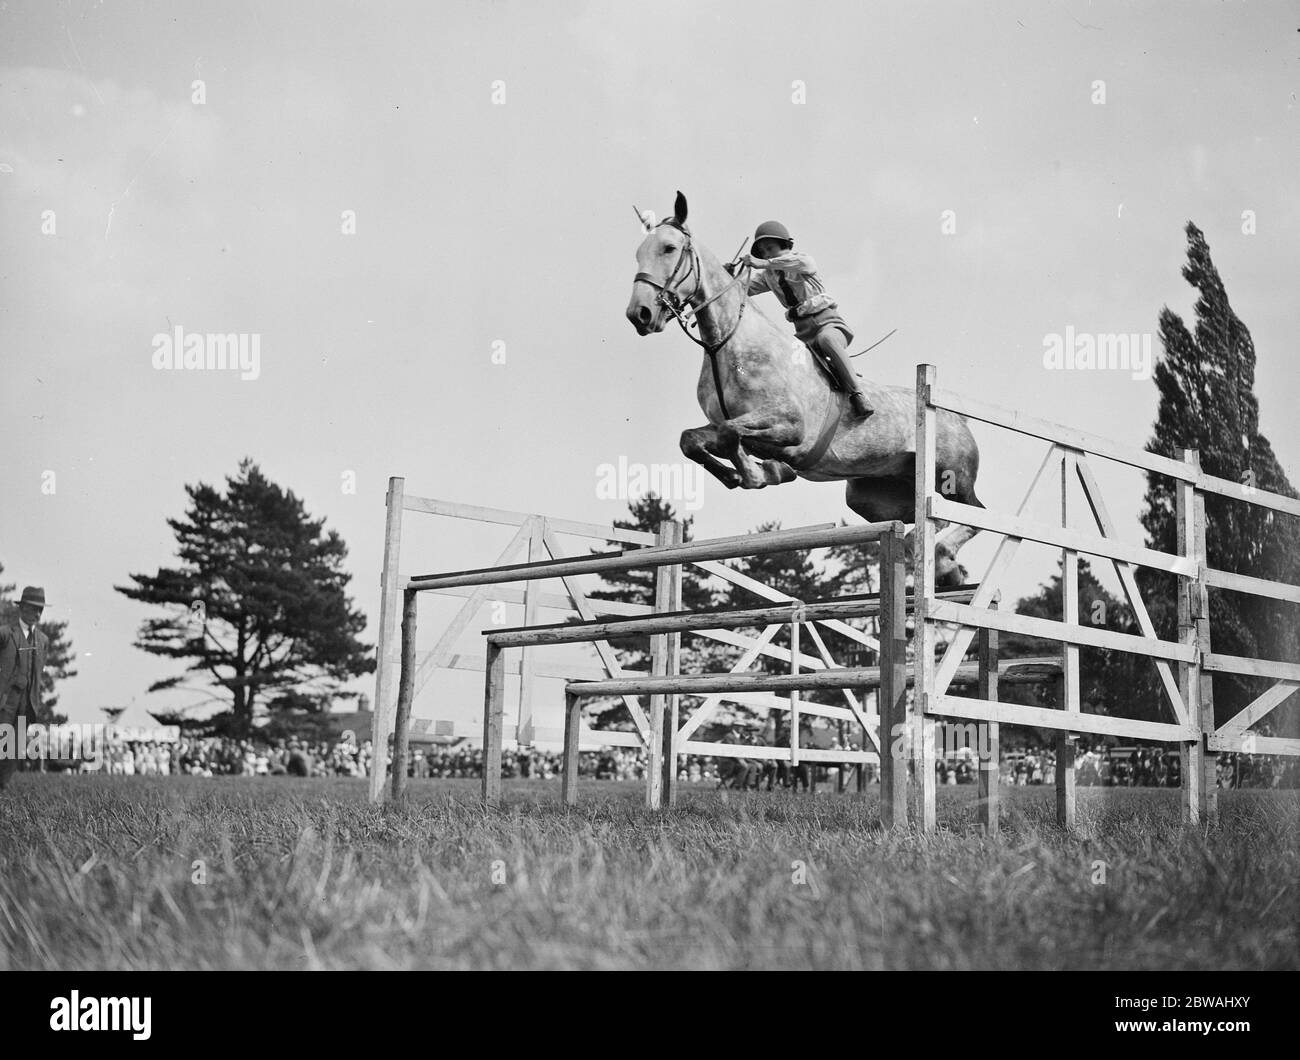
491,153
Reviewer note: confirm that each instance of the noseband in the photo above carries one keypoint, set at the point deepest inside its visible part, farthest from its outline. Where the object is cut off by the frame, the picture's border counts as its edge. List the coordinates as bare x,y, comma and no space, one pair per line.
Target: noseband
668,296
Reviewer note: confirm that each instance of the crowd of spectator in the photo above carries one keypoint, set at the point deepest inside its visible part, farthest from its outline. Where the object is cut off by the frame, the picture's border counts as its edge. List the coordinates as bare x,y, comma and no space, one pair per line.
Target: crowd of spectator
1257,771
218,756
1146,767
224,756
615,763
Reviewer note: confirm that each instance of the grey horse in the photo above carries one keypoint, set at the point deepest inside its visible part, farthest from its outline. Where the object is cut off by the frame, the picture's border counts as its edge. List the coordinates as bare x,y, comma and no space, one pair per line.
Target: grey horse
773,413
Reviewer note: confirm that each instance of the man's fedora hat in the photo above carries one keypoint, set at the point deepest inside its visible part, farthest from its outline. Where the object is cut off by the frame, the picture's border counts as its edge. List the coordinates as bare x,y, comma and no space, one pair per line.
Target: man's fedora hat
33,595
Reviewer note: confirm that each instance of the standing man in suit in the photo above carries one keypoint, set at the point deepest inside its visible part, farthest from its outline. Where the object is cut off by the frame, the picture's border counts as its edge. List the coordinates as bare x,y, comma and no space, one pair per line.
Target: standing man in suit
22,663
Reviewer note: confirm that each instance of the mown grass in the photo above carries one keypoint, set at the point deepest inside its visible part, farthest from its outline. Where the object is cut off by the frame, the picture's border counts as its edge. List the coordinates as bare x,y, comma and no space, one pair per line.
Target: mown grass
99,872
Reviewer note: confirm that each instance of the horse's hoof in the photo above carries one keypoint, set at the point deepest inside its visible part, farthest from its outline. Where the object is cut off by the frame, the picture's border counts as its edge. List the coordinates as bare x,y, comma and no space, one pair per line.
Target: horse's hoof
950,579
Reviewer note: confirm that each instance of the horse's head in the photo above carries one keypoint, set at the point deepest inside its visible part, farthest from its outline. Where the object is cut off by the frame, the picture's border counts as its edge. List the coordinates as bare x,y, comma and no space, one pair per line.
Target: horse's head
668,272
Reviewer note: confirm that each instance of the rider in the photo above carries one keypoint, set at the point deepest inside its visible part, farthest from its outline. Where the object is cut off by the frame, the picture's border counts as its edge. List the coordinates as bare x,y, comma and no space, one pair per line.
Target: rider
793,278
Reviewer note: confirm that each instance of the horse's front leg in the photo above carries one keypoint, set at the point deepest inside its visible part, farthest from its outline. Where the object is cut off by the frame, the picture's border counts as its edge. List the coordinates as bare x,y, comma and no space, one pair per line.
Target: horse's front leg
753,441
701,445
728,461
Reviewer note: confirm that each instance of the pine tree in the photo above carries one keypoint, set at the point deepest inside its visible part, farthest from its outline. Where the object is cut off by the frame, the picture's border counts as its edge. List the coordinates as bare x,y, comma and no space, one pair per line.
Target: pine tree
859,567
1207,402
258,603
638,587
795,573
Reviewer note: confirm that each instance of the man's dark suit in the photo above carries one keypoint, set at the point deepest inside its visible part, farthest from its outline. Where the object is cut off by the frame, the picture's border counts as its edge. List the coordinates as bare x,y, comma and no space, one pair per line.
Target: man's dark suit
21,667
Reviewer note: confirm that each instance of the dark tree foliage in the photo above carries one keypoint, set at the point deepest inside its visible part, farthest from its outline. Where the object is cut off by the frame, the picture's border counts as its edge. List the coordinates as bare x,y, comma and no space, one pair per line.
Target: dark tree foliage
1206,381
796,574
258,604
1108,680
789,572
859,567
638,587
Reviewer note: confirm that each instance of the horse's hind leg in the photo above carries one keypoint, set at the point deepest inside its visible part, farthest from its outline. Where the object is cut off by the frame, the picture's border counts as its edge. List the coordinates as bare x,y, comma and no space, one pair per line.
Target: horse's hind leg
777,472
881,499
948,538
954,537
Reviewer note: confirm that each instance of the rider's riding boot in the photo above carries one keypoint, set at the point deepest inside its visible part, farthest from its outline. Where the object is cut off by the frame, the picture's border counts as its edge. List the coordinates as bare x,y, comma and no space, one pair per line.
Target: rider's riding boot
838,361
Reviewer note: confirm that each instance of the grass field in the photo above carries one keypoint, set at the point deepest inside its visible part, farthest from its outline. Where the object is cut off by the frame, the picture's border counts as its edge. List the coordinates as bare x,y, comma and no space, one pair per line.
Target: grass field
100,872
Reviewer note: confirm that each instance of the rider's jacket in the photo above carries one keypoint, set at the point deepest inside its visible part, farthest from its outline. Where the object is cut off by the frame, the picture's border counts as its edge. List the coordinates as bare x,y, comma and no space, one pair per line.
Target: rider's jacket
793,278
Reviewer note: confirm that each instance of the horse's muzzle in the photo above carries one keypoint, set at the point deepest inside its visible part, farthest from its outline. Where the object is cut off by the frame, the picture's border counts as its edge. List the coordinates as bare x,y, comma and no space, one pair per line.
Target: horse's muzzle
645,318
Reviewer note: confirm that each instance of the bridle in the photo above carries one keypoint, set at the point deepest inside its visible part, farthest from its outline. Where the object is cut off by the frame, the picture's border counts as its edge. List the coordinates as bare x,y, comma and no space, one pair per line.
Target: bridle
670,298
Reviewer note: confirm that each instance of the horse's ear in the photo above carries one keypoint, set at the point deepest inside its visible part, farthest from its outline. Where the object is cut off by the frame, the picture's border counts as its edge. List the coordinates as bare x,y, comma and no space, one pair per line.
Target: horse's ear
679,209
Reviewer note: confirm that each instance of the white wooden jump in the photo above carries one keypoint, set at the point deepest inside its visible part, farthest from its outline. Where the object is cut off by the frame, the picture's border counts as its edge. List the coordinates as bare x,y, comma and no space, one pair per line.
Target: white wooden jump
1184,666
536,537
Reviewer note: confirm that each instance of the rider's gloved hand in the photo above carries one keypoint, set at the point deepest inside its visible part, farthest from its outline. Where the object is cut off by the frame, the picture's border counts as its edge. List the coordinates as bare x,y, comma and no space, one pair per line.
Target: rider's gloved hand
731,268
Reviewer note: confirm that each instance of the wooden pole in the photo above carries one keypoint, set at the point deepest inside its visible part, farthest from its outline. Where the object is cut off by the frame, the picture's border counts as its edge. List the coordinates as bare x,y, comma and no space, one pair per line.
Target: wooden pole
385,663
895,739
1069,683
532,594
1025,671
1190,755
1208,788
656,556
690,621
494,712
794,703
572,732
672,667
405,693
839,773
923,562
990,765
654,769
1064,769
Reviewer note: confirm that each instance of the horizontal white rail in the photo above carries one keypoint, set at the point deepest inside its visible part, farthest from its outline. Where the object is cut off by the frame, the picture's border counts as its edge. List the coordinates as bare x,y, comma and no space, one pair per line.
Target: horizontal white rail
778,754
1066,436
1063,720
1091,544
478,513
1249,494
1047,629
1243,583
1239,664
658,556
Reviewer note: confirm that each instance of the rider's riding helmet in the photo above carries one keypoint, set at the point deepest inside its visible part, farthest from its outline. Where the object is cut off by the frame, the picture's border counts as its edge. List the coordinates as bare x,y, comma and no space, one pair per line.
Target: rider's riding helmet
773,230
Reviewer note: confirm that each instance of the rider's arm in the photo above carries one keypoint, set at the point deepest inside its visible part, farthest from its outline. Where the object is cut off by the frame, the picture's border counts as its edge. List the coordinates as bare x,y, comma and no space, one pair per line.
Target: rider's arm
791,261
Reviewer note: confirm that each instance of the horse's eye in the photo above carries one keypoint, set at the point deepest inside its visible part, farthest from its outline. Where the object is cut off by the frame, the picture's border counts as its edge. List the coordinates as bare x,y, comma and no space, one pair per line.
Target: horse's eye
669,250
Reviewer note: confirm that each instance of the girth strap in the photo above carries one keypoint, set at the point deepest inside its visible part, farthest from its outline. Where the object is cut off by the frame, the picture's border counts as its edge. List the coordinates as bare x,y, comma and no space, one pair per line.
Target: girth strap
717,380
831,421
